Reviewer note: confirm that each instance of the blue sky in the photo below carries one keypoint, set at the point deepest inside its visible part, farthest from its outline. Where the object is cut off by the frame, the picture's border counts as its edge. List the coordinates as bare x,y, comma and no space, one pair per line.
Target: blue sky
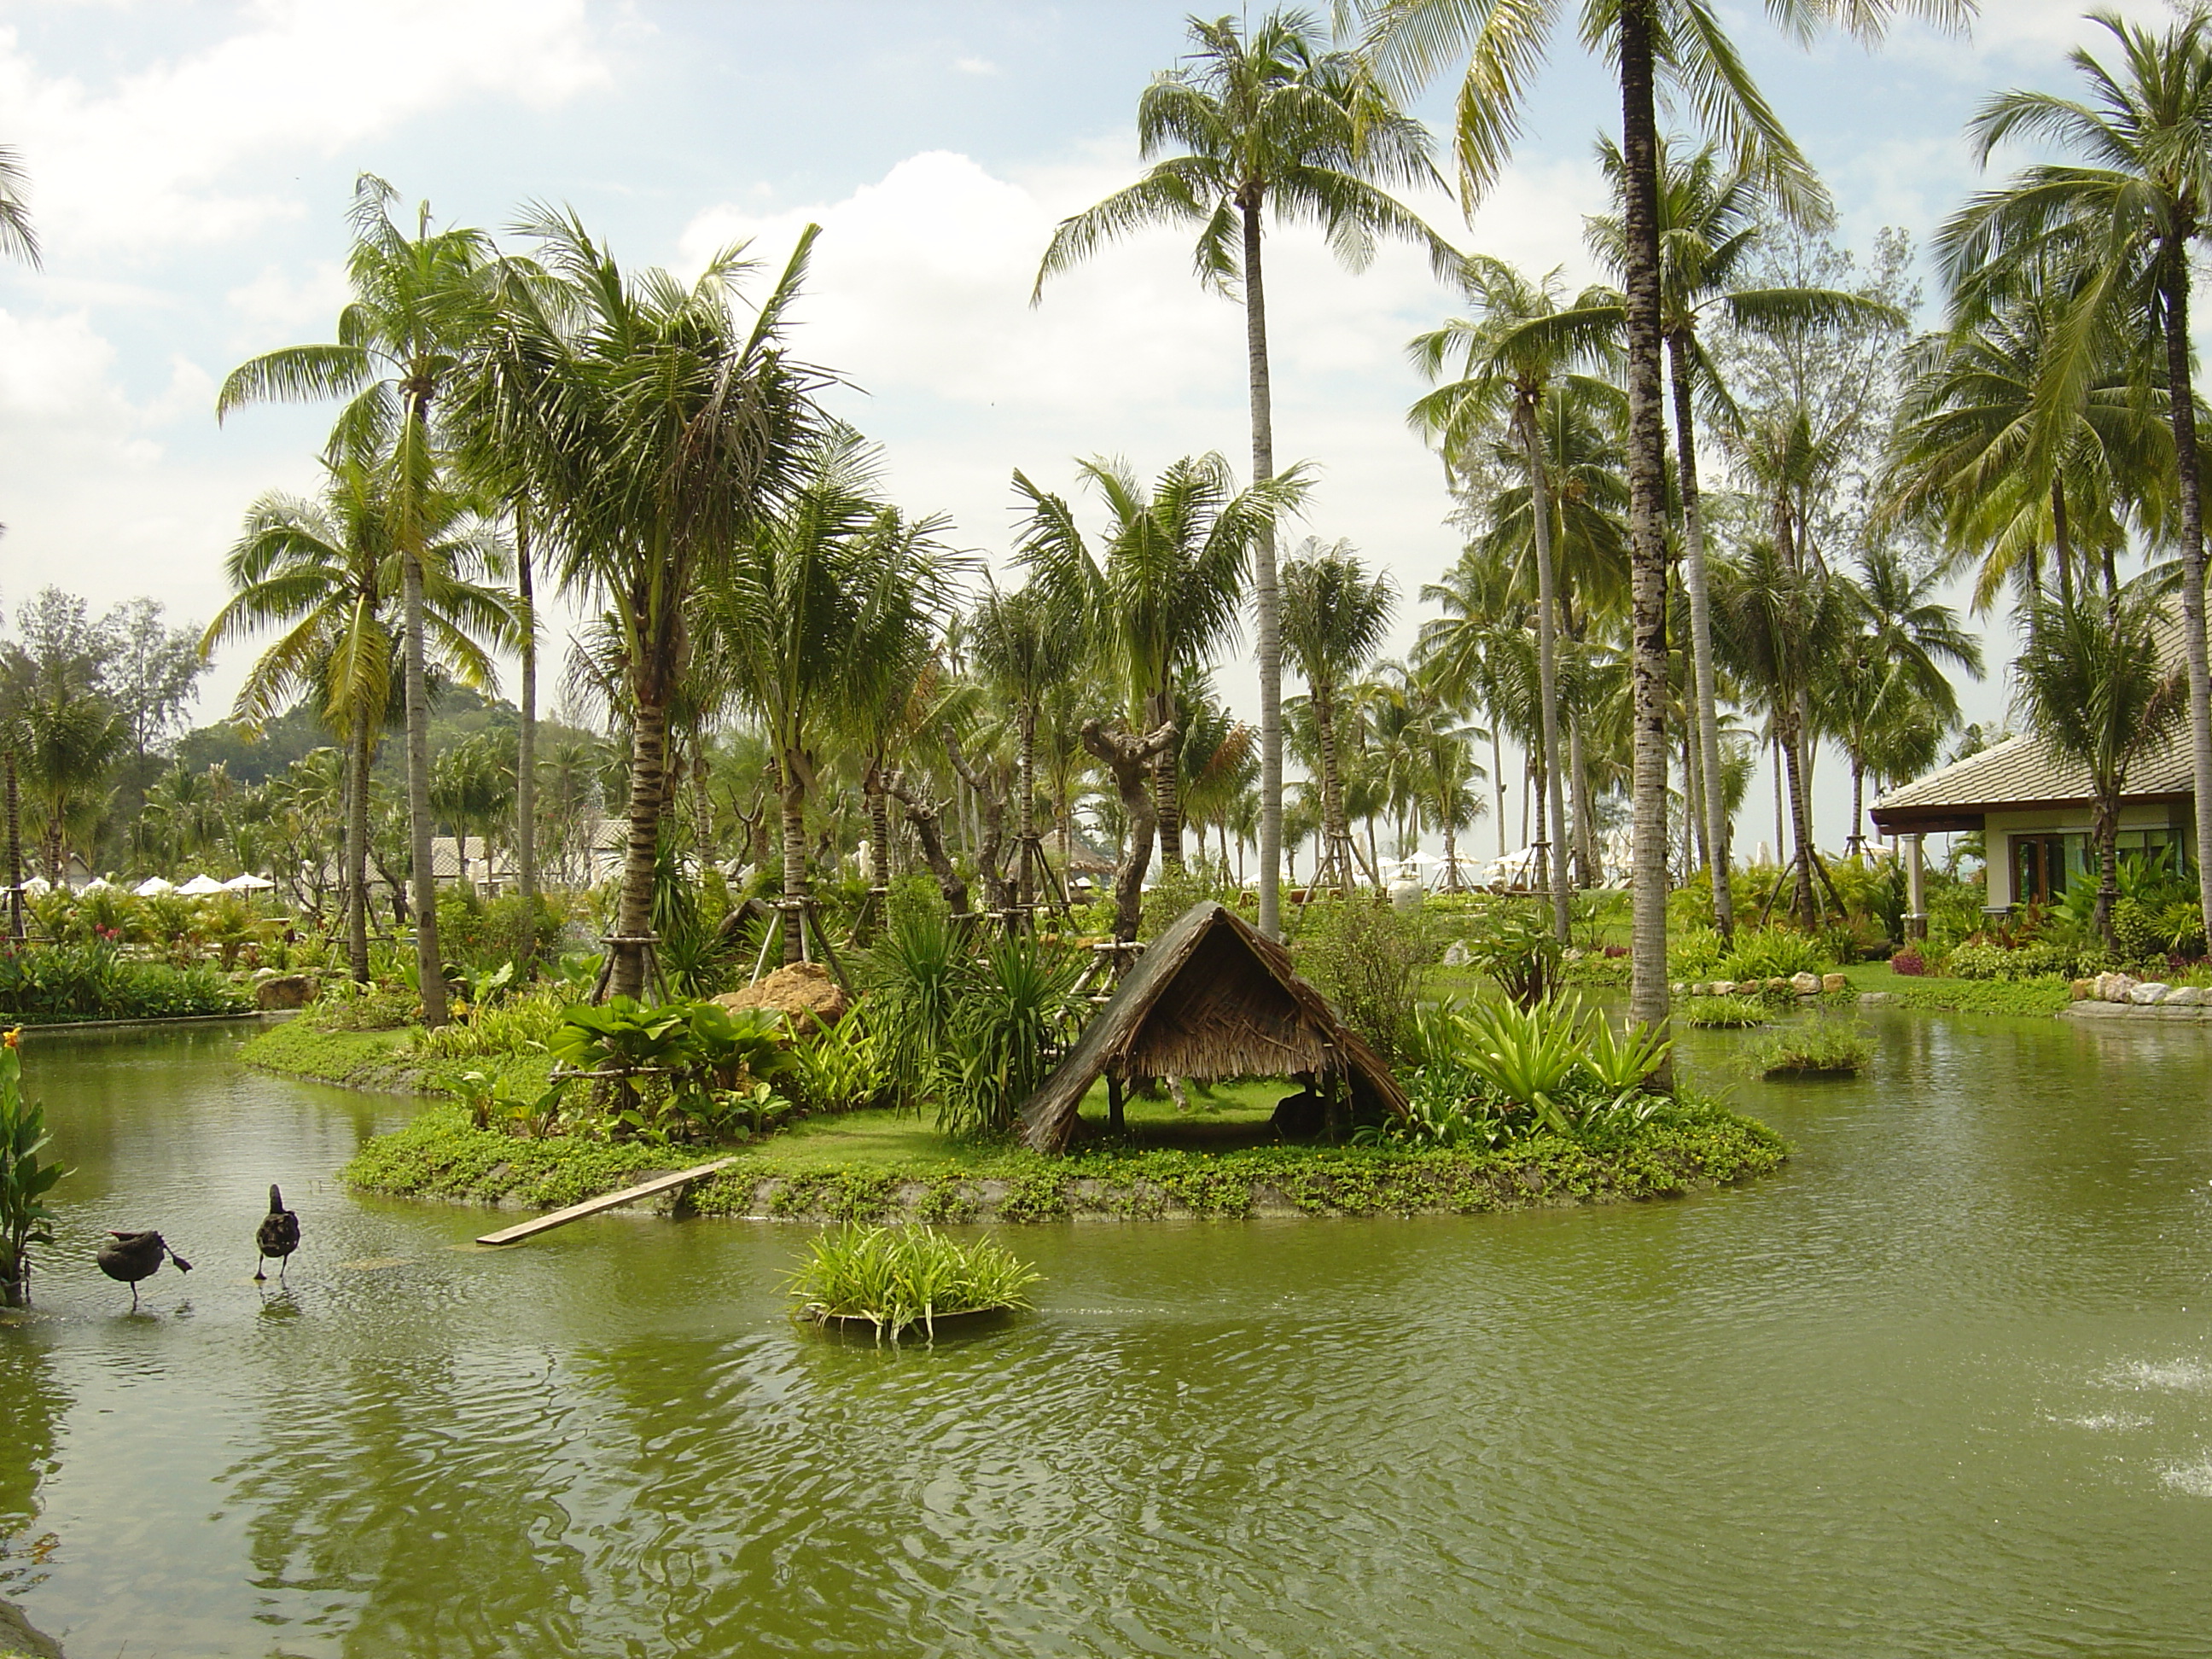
190,165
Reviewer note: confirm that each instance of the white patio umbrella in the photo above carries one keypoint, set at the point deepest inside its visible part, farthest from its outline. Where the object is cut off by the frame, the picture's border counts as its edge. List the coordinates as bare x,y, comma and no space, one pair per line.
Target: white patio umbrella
153,886
200,885
248,883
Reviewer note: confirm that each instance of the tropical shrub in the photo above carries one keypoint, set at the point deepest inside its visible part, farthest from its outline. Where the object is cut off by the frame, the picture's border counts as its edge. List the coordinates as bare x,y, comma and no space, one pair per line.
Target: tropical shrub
523,1023
1365,957
897,1278
1516,946
1909,961
841,1067
913,976
1773,953
1550,1066
377,1006
1696,953
56,984
25,1179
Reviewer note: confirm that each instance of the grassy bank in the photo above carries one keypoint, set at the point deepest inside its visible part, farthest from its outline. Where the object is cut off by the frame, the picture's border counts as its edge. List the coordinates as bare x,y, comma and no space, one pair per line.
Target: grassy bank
873,1165
383,1062
2030,998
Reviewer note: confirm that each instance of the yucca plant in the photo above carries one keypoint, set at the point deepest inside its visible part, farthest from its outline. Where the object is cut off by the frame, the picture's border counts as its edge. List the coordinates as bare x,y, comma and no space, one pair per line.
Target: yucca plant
913,975
25,1179
1620,1064
1015,1018
896,1277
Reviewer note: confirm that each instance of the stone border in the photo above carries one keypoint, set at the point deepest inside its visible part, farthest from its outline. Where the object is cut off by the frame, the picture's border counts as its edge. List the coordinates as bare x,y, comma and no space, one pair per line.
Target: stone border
2177,1014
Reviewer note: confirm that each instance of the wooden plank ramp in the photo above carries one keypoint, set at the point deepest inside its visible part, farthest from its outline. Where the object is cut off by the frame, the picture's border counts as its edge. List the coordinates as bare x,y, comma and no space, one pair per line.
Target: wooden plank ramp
545,1224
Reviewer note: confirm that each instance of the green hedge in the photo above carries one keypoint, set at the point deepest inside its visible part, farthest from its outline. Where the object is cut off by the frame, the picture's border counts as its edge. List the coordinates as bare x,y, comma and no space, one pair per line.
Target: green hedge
61,984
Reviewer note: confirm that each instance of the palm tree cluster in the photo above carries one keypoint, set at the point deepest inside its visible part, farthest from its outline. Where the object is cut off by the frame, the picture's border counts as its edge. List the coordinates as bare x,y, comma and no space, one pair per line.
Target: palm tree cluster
1692,534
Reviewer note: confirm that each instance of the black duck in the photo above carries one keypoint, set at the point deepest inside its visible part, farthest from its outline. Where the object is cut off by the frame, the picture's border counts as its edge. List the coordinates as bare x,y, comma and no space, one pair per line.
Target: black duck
277,1237
128,1257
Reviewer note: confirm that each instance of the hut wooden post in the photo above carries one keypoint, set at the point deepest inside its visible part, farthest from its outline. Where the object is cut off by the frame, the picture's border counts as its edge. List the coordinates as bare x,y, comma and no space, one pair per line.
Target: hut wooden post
1115,1122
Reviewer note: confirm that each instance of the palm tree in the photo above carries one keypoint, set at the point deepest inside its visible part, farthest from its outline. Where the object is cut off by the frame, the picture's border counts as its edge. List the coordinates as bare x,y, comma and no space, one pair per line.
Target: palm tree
825,606
325,573
1022,650
1335,618
2094,683
1651,43
1780,623
1270,120
19,238
1480,653
1169,585
1969,459
473,788
1893,676
1709,227
417,303
1514,357
657,432
2123,226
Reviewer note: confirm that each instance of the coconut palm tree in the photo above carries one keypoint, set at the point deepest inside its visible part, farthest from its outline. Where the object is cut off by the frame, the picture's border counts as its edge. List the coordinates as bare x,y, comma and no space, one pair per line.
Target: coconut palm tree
326,573
830,602
1268,121
19,237
1676,45
1709,227
1167,586
2124,221
1335,618
1969,461
417,302
1022,649
1892,676
1514,357
657,432
2098,691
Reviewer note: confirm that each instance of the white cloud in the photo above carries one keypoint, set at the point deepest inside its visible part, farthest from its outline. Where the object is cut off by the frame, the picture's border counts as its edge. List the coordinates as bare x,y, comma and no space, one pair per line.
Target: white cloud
274,304
143,161
975,66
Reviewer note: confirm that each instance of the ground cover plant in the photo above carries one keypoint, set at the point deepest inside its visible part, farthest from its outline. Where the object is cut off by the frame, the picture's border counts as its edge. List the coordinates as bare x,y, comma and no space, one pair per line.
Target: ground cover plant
898,1279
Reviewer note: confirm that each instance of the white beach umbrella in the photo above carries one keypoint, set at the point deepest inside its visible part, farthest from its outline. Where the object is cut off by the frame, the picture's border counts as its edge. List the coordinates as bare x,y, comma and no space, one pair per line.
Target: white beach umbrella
153,886
200,885
248,883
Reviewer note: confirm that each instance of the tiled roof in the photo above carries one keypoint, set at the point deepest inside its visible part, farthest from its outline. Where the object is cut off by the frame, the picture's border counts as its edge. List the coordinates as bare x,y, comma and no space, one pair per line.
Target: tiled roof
2021,771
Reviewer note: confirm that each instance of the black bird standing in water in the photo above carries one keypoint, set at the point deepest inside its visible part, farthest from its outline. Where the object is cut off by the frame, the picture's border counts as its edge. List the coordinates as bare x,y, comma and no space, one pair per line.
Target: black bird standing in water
130,1257
277,1237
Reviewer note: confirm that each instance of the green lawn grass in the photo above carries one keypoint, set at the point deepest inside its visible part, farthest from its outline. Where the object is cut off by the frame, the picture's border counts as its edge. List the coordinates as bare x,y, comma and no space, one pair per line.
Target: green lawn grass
2029,999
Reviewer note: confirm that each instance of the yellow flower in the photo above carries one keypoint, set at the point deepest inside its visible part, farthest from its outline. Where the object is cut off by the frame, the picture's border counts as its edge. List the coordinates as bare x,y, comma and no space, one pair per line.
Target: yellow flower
11,1037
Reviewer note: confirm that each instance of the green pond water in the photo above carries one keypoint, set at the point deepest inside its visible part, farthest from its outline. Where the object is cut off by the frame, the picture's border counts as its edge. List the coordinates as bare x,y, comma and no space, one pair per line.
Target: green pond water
1942,1387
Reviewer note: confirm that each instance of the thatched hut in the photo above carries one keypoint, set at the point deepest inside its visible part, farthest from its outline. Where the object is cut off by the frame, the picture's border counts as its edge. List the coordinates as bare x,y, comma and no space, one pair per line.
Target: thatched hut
1210,999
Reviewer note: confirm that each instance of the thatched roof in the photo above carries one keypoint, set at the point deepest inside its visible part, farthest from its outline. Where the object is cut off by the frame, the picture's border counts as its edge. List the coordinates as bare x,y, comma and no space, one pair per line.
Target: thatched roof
1209,998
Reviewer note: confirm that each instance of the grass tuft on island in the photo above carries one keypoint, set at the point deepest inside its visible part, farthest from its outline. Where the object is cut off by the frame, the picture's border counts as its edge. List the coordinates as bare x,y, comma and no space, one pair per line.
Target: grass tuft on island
879,1165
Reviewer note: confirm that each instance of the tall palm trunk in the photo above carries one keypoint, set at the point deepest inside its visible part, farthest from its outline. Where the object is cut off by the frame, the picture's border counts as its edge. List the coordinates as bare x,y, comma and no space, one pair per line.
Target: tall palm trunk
1550,854
1167,794
2105,831
1497,777
797,884
357,849
15,849
2062,544
648,784
1697,590
1585,829
423,881
1801,825
525,736
1335,833
2181,400
1267,607
1647,542
1025,813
